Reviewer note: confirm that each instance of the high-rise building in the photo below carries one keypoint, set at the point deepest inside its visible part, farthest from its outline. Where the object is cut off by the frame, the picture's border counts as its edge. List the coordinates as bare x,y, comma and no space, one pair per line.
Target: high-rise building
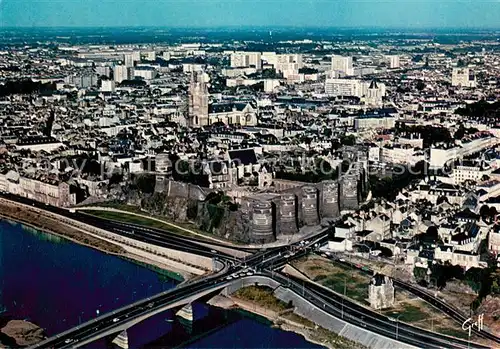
393,61
370,90
129,60
82,80
288,63
108,86
246,59
151,55
198,100
343,87
103,71
136,56
342,64
121,72
146,73
270,58
464,77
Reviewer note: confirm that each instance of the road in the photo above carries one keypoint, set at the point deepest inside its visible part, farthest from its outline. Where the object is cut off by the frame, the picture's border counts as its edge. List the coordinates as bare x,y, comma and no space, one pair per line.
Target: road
360,316
429,298
103,324
262,263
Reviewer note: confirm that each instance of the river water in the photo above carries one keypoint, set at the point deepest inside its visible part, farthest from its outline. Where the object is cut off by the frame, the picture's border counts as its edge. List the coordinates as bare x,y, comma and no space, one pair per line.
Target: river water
58,284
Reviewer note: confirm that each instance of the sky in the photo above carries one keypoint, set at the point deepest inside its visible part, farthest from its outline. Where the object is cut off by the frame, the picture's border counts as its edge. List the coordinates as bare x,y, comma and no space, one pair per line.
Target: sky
248,13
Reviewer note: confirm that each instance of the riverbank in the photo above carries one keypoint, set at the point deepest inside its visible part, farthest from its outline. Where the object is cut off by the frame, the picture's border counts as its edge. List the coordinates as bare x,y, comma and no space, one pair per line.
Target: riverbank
262,302
20,333
35,219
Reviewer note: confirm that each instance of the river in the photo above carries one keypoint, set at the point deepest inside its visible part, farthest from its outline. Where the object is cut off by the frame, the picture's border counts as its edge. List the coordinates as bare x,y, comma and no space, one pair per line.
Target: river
58,284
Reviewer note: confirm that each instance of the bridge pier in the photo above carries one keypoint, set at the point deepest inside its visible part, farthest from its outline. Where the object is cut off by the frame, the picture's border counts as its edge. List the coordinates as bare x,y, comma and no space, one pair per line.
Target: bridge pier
186,313
121,340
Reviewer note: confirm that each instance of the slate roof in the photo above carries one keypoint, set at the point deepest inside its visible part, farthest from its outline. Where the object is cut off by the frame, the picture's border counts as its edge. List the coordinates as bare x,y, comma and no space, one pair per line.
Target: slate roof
226,107
243,156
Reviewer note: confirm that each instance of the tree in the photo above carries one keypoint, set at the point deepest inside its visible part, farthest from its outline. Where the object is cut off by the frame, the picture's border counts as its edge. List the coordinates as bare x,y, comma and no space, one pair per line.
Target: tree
492,212
115,178
443,273
475,278
420,85
348,140
307,70
460,133
419,273
484,211
146,183
495,284
431,236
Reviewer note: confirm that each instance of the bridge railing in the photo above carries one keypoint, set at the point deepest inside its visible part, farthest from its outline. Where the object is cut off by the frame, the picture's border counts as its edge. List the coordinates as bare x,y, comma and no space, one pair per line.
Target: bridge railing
118,311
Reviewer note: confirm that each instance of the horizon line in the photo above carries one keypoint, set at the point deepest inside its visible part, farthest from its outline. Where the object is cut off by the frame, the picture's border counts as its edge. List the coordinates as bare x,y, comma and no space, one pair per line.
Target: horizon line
262,27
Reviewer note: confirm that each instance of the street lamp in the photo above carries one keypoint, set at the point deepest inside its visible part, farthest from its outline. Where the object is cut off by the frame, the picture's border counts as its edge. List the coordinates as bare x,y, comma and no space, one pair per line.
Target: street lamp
397,325
345,288
432,323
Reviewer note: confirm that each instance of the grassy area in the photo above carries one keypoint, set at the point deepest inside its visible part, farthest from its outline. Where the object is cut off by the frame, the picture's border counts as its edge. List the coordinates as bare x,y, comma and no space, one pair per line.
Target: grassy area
419,313
263,296
154,223
45,223
410,309
408,313
335,277
332,339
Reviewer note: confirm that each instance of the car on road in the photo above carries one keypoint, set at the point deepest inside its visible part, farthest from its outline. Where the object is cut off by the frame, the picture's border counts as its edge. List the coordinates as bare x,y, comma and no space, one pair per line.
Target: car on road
116,319
67,341
150,305
229,278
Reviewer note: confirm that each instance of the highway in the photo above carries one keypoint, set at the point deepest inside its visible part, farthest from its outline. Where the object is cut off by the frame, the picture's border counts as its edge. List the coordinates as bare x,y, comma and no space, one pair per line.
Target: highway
93,328
323,299
148,235
360,316
429,298
262,263
124,229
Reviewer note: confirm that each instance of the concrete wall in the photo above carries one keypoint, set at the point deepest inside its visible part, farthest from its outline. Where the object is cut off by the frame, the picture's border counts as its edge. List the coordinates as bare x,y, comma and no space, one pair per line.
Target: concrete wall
188,262
309,311
303,308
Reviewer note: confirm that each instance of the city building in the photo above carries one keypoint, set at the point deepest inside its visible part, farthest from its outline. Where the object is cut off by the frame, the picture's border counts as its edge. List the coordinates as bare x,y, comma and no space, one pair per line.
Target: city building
381,292
121,73
342,64
394,62
463,77
198,101
246,59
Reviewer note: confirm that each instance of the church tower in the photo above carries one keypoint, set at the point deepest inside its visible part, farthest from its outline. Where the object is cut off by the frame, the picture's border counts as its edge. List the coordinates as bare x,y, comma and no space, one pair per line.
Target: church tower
198,100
